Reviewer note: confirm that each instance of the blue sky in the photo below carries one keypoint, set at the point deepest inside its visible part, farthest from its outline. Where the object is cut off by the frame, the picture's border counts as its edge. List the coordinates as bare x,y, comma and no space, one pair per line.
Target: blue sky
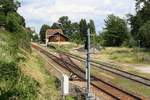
39,12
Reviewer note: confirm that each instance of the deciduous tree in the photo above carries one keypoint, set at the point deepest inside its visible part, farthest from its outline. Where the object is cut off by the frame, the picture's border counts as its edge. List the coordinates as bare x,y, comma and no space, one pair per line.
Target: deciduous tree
43,32
83,28
65,25
138,20
115,31
144,35
91,26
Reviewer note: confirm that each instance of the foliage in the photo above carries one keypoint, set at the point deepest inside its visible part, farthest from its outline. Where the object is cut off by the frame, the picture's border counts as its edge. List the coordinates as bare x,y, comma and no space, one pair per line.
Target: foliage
75,31
9,16
24,40
83,29
144,35
75,36
2,18
35,38
49,86
13,23
137,21
14,84
65,24
115,31
17,86
43,31
56,26
71,98
130,42
7,69
91,26
9,6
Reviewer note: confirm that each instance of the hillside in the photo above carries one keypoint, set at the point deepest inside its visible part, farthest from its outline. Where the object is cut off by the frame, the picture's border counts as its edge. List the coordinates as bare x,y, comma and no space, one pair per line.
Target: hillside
18,79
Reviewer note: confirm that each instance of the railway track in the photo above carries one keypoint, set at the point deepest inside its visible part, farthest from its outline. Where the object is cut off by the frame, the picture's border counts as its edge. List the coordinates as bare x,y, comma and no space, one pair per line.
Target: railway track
108,88
110,68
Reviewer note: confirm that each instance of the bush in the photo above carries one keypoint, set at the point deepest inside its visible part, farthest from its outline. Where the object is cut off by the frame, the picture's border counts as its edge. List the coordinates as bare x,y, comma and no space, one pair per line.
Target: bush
16,85
130,42
13,23
9,71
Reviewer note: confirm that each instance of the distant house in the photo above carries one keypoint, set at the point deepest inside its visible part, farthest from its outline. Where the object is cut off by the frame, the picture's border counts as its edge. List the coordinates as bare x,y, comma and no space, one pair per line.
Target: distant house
55,35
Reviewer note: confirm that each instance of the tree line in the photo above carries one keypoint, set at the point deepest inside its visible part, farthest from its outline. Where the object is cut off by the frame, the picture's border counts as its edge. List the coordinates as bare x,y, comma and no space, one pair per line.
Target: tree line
130,32
73,30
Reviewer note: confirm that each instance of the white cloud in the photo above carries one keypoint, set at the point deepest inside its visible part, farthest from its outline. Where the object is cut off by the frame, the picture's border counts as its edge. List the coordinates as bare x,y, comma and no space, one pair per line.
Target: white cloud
38,12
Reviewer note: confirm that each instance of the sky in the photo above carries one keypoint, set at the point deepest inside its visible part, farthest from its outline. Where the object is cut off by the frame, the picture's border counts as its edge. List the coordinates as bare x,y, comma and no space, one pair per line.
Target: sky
39,12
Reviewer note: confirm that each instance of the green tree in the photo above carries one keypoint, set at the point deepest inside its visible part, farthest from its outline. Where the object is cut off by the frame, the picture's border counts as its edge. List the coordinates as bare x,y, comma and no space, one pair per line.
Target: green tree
9,6
65,25
140,18
56,26
83,29
35,37
75,27
2,18
75,36
13,23
144,35
43,32
115,32
91,26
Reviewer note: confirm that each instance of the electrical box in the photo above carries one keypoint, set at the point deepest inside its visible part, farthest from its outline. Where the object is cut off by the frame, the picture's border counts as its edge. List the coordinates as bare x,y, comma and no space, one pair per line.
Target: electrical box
64,85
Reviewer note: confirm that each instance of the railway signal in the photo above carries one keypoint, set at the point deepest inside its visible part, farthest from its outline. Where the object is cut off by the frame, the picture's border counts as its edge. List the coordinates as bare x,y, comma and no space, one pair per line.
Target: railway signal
87,48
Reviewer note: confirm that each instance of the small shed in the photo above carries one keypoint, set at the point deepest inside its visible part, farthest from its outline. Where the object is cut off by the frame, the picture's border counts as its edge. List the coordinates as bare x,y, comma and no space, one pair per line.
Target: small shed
55,35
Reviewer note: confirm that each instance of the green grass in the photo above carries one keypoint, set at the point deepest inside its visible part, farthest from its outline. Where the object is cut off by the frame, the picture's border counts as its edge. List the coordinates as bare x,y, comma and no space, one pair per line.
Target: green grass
134,87
34,67
122,82
127,55
71,98
64,47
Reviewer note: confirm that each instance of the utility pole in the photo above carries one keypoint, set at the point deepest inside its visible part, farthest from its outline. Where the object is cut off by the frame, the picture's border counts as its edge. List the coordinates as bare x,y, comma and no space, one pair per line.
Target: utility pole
87,47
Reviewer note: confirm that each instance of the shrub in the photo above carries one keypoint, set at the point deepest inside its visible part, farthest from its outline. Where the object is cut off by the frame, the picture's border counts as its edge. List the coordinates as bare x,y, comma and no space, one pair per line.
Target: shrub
16,85
13,23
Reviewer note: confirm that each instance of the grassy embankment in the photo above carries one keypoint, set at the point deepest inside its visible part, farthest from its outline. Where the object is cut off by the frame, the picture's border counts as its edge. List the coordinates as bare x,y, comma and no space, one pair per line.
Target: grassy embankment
22,75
